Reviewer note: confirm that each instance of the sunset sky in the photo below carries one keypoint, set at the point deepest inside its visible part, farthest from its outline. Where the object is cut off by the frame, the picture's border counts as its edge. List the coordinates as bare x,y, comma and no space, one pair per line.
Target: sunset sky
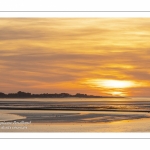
100,56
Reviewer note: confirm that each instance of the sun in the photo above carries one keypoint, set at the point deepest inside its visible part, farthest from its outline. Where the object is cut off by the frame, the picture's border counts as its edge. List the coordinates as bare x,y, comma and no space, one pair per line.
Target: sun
112,86
117,93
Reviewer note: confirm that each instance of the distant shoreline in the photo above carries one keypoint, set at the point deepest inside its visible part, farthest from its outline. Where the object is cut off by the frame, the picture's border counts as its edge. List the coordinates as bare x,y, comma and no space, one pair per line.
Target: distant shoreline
75,109
55,97
21,94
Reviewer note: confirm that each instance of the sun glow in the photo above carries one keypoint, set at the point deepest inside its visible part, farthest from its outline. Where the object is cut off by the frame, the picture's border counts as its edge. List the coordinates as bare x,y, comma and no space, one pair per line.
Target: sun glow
111,83
116,84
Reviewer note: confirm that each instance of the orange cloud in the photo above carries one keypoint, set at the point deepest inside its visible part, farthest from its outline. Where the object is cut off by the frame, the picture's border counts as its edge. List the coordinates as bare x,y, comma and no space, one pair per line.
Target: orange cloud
58,54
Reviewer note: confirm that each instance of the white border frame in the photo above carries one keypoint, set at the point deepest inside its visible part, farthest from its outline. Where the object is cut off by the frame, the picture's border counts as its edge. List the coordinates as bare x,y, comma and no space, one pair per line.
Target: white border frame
48,14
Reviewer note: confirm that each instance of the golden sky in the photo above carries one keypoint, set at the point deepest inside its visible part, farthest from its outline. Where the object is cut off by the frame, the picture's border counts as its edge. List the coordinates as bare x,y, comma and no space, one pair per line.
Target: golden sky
100,56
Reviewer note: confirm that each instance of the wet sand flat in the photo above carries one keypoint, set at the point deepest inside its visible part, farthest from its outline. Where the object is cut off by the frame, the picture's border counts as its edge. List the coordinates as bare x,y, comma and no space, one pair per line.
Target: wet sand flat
75,115
73,121
138,125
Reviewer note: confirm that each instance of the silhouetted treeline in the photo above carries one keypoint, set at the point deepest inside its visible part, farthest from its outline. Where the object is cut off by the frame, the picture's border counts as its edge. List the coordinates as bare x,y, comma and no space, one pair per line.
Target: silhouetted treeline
21,94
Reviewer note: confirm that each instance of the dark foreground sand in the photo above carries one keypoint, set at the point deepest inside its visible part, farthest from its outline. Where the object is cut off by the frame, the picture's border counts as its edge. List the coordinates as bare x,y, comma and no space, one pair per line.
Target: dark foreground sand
73,121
